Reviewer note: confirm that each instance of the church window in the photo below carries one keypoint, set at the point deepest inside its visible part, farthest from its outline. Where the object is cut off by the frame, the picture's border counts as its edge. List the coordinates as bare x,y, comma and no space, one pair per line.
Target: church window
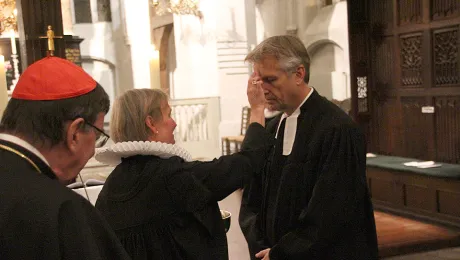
82,11
103,11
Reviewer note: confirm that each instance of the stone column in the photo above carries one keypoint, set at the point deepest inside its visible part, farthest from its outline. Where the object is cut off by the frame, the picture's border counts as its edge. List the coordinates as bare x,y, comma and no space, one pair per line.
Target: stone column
291,23
67,17
251,30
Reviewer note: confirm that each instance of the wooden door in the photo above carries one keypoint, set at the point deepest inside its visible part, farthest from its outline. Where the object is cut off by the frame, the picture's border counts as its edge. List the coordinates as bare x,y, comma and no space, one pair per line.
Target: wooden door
405,58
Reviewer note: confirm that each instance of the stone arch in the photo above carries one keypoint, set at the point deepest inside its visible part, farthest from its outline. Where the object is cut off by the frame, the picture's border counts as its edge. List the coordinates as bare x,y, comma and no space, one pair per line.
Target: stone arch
328,70
312,47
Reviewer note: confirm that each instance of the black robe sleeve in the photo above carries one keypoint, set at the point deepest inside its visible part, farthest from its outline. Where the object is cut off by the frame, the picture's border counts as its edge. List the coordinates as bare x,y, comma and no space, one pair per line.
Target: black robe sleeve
224,175
339,193
83,234
249,217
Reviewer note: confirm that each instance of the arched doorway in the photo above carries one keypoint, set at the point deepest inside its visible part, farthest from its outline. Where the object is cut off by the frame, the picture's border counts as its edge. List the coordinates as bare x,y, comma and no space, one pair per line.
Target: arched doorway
327,70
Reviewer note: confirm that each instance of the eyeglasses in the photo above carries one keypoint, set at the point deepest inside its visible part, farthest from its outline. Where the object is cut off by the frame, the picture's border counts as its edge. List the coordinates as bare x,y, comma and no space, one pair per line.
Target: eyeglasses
102,138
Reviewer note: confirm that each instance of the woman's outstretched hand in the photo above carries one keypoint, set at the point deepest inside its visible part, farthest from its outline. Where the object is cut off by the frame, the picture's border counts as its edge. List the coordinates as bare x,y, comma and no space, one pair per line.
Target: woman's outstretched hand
256,99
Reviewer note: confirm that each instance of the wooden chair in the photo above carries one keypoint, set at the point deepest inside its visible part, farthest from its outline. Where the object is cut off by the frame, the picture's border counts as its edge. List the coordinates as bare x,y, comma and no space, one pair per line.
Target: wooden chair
229,142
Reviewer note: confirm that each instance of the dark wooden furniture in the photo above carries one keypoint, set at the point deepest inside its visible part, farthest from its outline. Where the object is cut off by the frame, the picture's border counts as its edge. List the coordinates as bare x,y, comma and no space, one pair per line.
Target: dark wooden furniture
405,76
33,18
232,144
428,194
72,49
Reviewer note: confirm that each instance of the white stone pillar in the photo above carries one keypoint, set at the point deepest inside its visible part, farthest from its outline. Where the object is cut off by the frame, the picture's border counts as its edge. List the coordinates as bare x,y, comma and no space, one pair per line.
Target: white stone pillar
139,37
291,23
67,16
251,30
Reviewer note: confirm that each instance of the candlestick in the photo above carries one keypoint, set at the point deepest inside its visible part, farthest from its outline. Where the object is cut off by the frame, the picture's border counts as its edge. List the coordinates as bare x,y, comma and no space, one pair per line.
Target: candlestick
15,59
13,42
154,68
3,87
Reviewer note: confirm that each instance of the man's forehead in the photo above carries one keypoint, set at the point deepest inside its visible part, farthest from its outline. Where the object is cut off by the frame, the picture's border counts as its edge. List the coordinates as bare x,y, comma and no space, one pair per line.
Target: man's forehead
267,65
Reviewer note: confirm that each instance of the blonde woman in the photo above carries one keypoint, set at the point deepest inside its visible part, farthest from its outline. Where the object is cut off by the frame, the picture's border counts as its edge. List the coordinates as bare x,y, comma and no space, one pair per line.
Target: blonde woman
160,204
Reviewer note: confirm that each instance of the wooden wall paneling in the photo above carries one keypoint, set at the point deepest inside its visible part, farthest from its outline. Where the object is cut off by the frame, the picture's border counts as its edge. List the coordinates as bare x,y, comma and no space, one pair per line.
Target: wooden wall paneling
420,197
447,134
442,9
446,57
385,186
410,11
416,128
358,42
448,202
34,16
388,127
411,60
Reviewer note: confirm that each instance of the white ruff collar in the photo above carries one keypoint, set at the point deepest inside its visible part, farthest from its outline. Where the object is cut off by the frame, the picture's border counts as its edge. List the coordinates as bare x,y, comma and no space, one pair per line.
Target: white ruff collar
113,154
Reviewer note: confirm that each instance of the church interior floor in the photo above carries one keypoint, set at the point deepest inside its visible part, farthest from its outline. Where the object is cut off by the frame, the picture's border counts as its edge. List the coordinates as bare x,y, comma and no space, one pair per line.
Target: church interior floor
398,236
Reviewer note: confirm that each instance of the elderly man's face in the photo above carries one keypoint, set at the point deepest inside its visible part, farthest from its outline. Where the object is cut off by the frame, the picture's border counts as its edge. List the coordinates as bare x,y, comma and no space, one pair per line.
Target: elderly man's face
279,86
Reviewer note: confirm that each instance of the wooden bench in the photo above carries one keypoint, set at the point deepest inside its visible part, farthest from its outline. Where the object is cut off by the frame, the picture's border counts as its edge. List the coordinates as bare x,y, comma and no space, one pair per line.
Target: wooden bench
431,194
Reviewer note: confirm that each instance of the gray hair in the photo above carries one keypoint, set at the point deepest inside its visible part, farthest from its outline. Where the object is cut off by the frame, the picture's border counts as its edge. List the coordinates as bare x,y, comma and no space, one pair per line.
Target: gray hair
288,50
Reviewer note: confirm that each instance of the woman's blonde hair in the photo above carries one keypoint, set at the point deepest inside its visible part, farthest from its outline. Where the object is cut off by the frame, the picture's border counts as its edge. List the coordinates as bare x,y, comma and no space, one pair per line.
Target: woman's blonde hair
130,111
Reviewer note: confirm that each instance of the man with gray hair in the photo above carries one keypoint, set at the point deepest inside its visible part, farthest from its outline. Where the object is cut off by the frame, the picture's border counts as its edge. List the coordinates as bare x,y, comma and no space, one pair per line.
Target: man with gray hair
311,200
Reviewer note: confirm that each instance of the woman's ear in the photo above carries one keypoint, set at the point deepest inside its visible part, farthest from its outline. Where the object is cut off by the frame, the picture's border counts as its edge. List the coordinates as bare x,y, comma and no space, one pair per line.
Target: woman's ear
73,134
149,122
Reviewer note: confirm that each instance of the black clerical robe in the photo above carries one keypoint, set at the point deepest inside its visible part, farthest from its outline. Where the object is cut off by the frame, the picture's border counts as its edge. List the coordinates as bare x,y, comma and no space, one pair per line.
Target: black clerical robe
167,208
42,219
313,203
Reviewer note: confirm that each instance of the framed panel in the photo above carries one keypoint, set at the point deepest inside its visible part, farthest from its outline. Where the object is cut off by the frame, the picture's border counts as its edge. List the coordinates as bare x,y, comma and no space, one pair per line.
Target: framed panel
411,60
446,57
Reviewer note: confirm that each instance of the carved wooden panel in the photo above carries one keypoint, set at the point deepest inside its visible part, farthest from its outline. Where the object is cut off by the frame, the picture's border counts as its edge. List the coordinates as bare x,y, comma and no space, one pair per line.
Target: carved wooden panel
444,8
411,60
445,60
410,11
447,124
381,14
416,127
362,83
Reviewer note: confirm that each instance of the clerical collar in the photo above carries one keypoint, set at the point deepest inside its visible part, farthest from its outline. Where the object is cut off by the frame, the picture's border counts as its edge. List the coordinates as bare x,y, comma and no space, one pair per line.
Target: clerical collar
291,127
16,140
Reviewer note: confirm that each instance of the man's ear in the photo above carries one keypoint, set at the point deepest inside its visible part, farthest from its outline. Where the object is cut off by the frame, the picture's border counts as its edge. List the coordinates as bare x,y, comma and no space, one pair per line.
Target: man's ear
73,133
300,74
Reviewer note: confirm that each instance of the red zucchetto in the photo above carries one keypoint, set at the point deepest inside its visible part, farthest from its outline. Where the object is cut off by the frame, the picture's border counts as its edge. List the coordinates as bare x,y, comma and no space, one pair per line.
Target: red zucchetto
53,78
